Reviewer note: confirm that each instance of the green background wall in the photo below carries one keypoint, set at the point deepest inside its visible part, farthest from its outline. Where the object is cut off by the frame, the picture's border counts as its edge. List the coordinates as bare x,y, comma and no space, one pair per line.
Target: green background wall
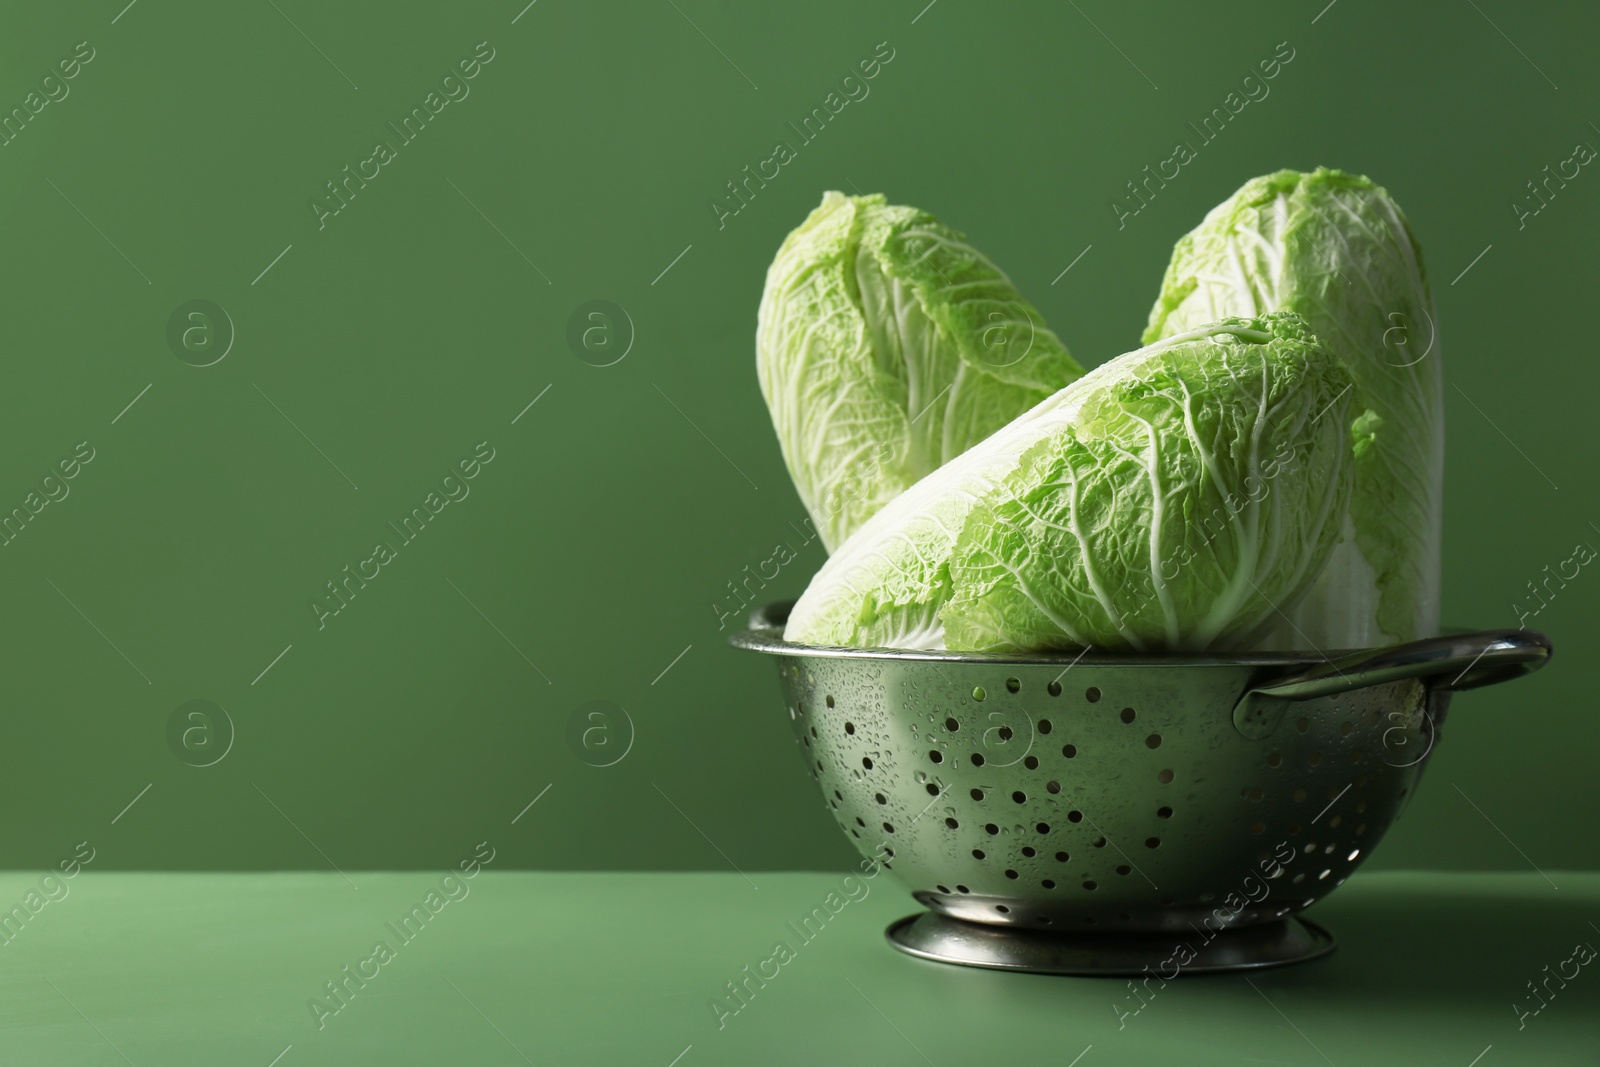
591,553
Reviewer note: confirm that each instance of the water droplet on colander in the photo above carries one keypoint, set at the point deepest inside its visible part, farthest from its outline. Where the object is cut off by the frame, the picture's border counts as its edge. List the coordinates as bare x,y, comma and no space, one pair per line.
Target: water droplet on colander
922,777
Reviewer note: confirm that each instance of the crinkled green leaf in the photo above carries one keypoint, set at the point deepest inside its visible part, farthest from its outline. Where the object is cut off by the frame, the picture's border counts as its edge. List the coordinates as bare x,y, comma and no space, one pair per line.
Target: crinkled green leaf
1336,249
886,346
1173,499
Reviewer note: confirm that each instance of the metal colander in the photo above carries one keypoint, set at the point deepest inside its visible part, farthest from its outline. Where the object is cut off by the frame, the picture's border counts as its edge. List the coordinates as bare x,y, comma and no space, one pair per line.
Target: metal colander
1092,814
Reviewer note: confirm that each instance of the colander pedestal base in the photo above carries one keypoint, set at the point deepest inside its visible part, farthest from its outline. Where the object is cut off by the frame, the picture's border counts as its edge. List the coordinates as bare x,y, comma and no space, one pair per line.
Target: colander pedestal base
1010,948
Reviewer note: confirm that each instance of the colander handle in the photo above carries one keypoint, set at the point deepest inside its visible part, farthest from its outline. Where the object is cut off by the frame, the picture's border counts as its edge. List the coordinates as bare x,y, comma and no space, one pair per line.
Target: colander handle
1466,661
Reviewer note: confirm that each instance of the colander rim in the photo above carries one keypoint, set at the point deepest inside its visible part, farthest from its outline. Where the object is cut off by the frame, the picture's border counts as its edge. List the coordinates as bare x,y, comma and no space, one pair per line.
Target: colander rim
765,634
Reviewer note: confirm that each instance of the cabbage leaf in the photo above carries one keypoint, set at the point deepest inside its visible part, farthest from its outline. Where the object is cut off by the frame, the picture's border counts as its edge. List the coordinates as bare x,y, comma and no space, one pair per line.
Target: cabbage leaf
1177,498
886,346
1336,249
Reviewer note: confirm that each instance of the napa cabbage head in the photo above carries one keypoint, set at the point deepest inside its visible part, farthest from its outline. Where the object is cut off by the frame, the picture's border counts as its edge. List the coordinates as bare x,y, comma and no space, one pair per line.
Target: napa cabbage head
1336,249
1175,499
886,346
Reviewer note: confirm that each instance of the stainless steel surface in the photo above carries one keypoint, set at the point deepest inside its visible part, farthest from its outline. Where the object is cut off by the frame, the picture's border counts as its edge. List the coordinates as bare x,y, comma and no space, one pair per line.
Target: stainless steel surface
1097,794
1163,956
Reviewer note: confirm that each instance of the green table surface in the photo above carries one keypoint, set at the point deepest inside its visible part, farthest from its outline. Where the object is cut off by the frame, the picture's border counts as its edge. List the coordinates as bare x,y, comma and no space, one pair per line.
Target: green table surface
578,968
